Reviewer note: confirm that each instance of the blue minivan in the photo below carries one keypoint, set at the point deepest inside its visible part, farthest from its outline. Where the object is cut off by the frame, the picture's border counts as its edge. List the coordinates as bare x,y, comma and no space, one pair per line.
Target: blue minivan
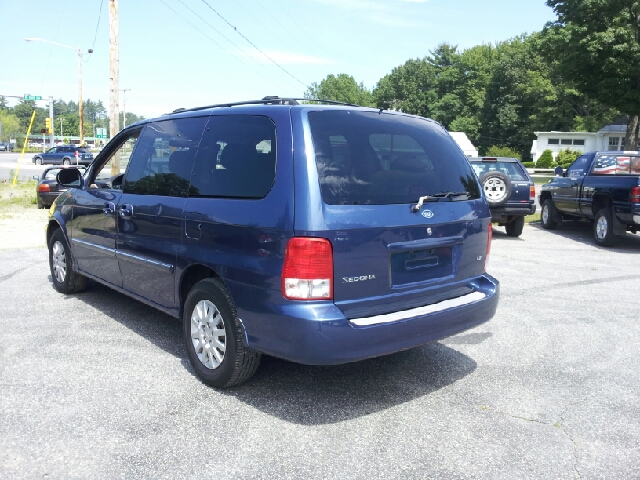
318,233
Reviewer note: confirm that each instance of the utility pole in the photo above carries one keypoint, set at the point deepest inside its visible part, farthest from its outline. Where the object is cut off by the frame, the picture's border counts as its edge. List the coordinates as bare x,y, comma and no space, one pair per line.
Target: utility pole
51,117
124,105
114,68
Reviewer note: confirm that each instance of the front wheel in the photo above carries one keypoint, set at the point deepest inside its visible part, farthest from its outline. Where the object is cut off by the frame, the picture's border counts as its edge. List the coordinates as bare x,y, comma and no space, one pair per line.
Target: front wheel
549,215
603,229
66,161
213,336
65,280
38,161
515,227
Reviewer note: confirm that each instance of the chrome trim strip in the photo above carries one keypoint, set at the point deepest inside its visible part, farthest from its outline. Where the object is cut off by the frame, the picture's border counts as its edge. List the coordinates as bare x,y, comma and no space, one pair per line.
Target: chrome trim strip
419,311
165,267
94,246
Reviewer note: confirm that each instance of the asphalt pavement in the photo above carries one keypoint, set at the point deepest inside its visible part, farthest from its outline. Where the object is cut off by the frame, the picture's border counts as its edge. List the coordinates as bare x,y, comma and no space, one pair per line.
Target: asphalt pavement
9,164
97,385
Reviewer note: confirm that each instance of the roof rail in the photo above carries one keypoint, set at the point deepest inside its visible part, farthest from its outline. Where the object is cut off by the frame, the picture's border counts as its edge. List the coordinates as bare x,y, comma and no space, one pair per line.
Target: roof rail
268,100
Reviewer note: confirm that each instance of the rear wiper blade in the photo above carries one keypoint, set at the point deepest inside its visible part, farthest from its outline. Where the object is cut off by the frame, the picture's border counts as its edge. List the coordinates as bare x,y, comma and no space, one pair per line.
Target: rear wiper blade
449,194
436,197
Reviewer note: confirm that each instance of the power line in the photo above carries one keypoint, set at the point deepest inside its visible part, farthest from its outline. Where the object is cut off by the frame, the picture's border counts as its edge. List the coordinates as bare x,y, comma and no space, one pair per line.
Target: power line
254,45
212,40
275,19
97,25
297,24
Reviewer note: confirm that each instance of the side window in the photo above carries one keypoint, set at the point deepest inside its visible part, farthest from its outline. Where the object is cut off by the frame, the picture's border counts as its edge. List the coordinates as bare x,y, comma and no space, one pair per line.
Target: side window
163,159
115,166
579,167
237,158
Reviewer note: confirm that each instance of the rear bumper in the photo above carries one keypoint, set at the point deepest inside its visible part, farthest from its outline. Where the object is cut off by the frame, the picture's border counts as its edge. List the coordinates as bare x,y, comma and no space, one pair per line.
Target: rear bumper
319,334
512,211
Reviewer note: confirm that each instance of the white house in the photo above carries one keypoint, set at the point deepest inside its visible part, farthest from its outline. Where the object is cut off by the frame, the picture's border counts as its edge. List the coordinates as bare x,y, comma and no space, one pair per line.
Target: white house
610,137
464,143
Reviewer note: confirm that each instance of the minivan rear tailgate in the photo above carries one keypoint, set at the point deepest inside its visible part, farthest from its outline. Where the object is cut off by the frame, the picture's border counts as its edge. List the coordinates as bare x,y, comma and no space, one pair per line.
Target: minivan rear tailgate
394,259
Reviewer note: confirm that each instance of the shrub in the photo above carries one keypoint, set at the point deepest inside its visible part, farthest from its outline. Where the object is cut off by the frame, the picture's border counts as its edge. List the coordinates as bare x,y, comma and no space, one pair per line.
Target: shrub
567,157
545,160
529,164
499,151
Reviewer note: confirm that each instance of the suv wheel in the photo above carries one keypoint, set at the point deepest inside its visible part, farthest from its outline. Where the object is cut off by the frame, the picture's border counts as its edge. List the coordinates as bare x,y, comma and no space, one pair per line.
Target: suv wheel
497,188
66,161
515,227
603,229
65,280
549,215
213,336
38,161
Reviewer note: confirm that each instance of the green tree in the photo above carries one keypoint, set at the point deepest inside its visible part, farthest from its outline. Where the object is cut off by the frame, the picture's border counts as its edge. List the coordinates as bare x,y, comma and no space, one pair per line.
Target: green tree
567,157
341,88
409,88
597,45
9,125
499,151
545,160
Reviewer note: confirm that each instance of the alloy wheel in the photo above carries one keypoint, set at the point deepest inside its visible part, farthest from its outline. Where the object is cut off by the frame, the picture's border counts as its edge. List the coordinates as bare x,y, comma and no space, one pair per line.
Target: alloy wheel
208,334
59,261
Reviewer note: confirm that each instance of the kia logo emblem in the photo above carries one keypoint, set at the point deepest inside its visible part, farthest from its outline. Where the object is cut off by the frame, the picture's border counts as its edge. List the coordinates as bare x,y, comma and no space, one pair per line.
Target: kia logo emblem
427,214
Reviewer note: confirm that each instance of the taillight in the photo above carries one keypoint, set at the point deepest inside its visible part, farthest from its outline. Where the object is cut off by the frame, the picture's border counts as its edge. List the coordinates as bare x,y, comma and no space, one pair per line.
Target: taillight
532,192
44,188
307,273
634,196
486,253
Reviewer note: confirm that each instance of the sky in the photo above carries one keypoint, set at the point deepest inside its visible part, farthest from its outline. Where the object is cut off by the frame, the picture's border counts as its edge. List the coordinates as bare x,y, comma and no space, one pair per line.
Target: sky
187,53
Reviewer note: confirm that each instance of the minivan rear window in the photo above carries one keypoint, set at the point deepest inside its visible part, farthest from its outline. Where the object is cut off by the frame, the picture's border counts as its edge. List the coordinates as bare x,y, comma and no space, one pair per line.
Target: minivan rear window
382,158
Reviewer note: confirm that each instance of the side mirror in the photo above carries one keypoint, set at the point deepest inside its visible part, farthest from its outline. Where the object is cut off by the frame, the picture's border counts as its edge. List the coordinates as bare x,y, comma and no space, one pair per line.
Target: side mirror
36,177
559,172
69,177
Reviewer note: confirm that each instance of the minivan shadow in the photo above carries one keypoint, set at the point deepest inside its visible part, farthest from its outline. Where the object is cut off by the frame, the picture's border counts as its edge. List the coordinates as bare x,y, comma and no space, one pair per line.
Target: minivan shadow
302,394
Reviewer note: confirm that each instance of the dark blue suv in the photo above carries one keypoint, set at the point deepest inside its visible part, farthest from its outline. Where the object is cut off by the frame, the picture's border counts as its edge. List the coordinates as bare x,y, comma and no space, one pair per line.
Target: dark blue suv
321,234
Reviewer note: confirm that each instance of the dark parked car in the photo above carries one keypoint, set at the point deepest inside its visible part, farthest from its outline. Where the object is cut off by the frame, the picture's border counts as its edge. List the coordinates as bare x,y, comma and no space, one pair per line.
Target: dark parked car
317,233
509,189
6,147
64,155
599,186
48,189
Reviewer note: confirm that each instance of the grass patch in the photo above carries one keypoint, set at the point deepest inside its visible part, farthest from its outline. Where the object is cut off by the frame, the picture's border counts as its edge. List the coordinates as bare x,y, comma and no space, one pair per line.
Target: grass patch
23,194
532,218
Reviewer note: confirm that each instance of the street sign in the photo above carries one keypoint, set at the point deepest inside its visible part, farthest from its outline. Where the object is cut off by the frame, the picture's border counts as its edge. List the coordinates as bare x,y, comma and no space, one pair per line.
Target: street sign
101,132
32,97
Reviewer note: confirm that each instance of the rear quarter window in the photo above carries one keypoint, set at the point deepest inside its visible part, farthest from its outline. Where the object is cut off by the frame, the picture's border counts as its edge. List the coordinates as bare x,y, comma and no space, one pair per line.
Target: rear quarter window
382,158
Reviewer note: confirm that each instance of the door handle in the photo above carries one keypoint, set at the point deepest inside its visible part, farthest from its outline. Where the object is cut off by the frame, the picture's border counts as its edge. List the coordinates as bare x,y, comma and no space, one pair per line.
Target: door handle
109,208
125,211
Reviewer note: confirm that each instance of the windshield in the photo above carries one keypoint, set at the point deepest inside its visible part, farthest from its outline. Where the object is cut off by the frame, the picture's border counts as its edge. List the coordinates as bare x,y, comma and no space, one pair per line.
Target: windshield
382,158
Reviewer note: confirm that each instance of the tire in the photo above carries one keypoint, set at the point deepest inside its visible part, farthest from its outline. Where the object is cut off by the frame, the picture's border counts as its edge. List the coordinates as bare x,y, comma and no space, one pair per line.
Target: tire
515,227
213,336
65,280
603,229
40,204
497,188
38,161
549,215
66,161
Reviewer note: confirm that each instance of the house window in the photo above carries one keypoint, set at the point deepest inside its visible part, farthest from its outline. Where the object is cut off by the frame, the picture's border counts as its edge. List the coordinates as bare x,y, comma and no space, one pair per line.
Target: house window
578,142
613,143
565,141
553,141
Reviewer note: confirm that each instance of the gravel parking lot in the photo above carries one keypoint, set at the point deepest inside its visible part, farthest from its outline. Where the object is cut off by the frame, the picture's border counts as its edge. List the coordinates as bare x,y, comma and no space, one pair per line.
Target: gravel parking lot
96,385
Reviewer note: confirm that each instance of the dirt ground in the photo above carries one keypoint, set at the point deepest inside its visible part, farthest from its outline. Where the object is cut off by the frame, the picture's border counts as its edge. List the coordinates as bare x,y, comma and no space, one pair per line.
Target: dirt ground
22,227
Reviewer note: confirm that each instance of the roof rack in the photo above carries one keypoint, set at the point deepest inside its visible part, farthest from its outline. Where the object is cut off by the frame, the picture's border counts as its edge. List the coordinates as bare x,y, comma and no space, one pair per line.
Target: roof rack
268,100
